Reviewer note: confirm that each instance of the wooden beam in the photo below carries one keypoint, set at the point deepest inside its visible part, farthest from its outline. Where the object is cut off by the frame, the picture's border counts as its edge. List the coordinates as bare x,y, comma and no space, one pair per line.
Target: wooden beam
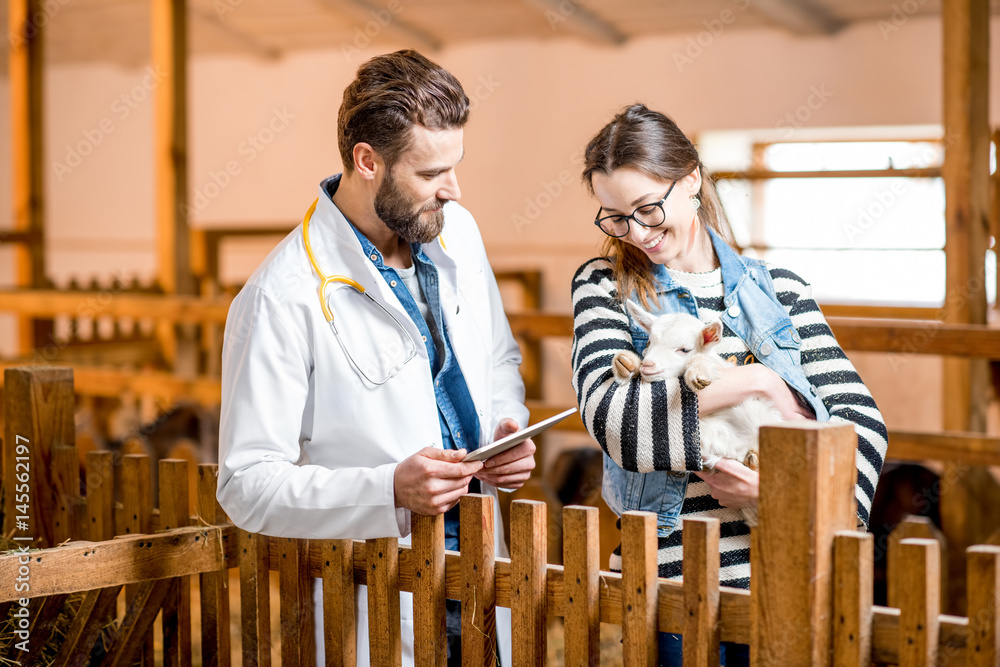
172,308
767,175
392,25
579,20
247,41
966,387
169,52
25,66
917,337
798,17
82,566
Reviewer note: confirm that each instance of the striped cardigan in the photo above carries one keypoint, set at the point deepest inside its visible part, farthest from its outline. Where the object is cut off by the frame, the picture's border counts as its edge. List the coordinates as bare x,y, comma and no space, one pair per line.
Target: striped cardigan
652,426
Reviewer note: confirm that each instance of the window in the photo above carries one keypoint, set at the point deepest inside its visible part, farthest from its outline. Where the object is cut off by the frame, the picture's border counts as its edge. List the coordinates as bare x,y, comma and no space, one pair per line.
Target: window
860,219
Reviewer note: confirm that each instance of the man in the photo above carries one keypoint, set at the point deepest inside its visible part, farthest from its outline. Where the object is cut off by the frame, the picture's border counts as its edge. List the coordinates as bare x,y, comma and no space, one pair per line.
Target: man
370,350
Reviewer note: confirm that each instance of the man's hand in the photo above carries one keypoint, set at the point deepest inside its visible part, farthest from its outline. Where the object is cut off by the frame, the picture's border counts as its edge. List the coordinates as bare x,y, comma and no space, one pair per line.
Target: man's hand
732,484
431,481
510,469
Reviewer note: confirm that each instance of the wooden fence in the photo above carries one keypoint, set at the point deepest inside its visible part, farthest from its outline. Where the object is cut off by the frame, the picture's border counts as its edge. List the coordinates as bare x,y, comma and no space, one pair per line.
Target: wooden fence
810,601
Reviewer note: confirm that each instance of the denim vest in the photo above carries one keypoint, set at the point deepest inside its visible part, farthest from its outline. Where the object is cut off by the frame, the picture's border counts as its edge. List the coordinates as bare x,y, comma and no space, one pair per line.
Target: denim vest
752,312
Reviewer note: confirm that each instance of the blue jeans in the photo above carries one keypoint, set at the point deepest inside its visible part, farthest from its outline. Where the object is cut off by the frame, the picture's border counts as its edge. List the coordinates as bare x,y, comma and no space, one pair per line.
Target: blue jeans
730,655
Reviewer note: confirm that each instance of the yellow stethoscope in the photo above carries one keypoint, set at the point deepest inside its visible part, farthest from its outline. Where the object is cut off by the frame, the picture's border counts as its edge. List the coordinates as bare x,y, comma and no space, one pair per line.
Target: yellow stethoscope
336,278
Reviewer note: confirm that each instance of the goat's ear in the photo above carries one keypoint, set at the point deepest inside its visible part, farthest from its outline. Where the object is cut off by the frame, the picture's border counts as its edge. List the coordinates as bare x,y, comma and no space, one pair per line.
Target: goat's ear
642,317
711,334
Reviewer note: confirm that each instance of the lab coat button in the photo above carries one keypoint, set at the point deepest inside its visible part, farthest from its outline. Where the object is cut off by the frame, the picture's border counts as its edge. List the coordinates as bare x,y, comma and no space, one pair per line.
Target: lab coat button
765,349
734,310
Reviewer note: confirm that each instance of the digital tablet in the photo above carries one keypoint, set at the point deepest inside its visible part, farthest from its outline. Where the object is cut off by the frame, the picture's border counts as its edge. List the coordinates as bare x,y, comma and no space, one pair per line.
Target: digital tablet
503,444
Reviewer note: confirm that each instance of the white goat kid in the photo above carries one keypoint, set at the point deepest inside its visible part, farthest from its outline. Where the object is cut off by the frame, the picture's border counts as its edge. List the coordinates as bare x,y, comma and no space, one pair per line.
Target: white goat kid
680,345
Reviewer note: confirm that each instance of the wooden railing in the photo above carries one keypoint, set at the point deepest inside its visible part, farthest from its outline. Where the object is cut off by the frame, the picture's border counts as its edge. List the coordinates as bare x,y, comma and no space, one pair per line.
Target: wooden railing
810,601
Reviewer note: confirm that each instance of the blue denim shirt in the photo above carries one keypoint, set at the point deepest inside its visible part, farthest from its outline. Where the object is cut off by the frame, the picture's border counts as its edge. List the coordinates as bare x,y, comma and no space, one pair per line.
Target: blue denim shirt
456,411
753,313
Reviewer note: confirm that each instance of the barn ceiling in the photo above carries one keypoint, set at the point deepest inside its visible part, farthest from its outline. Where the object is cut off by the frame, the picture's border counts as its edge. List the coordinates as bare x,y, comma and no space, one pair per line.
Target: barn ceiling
117,31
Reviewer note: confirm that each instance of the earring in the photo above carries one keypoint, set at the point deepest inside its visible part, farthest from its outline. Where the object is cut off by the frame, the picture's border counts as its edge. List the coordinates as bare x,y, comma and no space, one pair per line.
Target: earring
695,202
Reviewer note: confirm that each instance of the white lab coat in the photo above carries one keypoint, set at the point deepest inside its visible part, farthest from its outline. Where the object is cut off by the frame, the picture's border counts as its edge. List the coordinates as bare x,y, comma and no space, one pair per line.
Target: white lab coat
308,447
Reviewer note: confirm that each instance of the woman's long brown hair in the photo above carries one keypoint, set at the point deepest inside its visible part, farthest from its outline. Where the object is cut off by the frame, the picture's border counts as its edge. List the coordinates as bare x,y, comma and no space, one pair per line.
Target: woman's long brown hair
650,142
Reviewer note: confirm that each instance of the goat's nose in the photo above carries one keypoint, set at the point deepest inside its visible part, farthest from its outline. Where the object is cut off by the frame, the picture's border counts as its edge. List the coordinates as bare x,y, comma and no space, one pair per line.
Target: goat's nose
647,366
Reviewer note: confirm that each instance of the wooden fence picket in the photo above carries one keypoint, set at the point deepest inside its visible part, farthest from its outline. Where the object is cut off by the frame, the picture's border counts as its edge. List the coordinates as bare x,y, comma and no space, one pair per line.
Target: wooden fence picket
213,586
339,630
429,623
639,589
137,519
384,641
479,632
100,498
175,513
853,569
528,572
296,602
701,592
581,578
255,599
67,523
919,597
983,644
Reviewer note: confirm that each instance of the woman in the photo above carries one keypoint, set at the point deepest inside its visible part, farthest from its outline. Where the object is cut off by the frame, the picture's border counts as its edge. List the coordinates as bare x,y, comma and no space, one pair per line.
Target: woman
668,248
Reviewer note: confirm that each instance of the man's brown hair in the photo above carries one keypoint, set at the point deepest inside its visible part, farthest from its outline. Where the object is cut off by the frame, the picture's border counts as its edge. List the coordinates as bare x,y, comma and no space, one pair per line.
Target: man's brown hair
390,94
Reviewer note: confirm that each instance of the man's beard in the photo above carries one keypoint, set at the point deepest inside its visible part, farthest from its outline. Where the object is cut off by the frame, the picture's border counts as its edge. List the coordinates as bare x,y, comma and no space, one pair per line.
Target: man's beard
399,213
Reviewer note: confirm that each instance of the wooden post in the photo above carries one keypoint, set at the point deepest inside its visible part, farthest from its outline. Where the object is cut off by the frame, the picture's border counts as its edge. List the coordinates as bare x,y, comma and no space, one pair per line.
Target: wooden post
27,149
479,627
39,406
430,640
581,578
528,567
169,55
983,645
384,633
966,179
854,562
919,601
807,480
213,586
639,591
255,599
339,629
175,513
701,592
297,622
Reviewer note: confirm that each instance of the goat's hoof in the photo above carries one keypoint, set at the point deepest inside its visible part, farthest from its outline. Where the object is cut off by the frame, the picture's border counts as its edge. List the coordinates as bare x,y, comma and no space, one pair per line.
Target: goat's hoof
752,461
625,365
697,381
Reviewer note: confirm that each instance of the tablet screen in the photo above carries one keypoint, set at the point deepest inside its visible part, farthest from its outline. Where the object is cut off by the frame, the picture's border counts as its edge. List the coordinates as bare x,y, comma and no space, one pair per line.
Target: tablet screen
514,439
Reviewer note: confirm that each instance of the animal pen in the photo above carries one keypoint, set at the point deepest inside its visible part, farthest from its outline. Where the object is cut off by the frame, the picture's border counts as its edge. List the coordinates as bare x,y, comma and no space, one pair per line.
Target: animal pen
809,603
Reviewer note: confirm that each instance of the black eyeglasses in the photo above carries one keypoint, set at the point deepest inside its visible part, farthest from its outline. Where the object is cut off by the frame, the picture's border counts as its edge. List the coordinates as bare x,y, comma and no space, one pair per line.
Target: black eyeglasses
648,215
